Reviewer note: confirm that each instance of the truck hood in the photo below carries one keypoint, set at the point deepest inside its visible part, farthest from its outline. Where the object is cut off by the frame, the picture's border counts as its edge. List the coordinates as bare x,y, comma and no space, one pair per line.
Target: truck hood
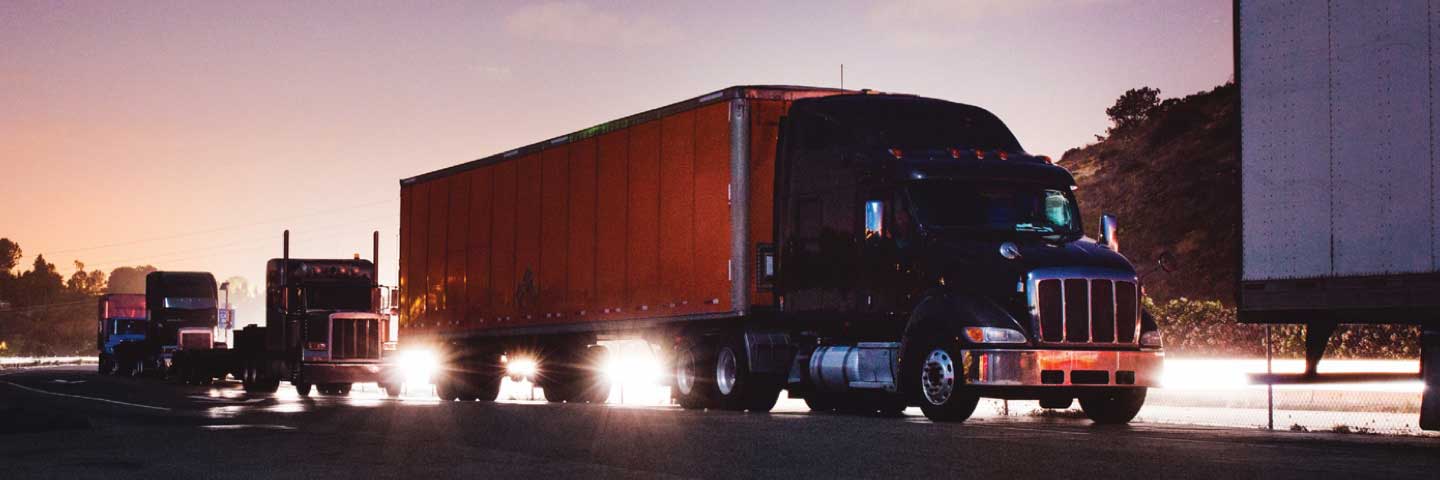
977,265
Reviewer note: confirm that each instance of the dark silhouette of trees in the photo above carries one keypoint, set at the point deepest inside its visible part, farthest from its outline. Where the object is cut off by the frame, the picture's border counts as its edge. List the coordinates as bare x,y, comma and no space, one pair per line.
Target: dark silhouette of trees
44,314
1133,107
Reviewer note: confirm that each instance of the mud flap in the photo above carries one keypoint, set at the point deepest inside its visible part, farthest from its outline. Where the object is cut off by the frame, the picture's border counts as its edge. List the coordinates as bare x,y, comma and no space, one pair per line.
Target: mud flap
1430,372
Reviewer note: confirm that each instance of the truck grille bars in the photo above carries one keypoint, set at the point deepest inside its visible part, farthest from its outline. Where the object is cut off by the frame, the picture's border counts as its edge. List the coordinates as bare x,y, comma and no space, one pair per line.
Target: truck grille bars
355,339
1084,307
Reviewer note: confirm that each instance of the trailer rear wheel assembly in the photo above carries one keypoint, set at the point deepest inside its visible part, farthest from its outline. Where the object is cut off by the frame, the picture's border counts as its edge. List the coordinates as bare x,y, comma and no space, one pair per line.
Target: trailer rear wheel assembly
693,379
1113,407
736,386
302,388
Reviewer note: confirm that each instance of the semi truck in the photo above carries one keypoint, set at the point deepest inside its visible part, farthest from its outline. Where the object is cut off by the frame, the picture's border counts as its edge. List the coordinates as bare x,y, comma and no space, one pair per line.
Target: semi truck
863,251
324,328
180,314
121,319
1338,167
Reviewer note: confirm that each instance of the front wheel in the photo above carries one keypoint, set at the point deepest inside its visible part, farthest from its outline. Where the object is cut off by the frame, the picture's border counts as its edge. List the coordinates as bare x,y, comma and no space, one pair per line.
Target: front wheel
106,365
1113,407
943,395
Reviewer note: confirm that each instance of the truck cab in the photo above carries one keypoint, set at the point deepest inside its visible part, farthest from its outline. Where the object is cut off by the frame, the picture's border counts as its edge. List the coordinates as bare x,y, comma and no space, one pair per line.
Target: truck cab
180,308
924,221
121,319
323,314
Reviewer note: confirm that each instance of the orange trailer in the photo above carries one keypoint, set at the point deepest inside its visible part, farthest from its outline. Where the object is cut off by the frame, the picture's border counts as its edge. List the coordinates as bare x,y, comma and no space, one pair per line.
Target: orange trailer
565,235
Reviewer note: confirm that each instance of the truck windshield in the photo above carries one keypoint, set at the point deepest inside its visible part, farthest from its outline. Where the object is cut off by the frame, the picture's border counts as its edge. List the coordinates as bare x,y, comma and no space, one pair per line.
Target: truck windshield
338,298
129,327
1012,208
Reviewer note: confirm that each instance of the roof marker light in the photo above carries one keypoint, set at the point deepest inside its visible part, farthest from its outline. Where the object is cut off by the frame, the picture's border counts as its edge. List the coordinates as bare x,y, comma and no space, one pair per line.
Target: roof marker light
1047,159
897,153
979,154
1003,155
954,152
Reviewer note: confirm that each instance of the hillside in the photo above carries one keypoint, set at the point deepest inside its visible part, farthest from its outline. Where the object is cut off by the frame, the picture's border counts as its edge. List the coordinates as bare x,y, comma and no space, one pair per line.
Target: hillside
1173,181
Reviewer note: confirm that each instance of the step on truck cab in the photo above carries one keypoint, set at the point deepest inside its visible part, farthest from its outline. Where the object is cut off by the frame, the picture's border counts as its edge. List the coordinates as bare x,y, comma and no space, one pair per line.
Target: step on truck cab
121,319
323,327
864,251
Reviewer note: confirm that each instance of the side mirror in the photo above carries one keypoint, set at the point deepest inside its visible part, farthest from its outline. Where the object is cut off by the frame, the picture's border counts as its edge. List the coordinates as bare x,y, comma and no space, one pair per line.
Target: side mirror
1108,226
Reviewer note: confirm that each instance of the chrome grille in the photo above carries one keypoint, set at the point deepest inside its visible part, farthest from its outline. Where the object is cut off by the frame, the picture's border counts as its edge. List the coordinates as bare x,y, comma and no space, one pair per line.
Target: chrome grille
194,340
1080,307
354,338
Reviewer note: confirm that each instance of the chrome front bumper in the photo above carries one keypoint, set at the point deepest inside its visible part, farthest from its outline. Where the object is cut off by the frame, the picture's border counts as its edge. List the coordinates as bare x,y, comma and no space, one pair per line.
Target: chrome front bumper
1063,368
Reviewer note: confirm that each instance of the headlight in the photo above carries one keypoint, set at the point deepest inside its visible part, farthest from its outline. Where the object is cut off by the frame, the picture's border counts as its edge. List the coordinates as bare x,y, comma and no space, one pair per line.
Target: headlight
1151,339
994,335
520,368
417,366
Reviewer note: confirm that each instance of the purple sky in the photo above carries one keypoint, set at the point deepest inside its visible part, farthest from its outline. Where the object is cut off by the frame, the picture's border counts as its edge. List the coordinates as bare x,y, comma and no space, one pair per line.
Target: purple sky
191,133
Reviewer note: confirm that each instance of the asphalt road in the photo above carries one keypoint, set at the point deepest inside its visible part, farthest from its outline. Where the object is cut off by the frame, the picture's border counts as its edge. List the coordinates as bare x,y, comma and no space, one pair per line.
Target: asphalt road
71,423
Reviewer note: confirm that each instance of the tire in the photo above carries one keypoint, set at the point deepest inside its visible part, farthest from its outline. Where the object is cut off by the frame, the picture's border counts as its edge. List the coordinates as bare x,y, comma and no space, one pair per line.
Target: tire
485,388
736,387
302,388
694,376
445,388
941,384
1113,407
107,365
392,390
594,386
256,381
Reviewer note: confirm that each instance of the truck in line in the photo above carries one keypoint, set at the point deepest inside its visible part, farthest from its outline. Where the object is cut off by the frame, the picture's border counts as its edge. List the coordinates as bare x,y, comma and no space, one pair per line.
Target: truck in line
179,317
324,328
121,319
1338,165
863,251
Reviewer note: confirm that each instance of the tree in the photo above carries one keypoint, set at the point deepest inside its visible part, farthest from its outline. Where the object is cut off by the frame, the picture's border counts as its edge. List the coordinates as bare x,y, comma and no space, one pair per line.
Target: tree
9,255
1133,107
88,283
40,285
129,279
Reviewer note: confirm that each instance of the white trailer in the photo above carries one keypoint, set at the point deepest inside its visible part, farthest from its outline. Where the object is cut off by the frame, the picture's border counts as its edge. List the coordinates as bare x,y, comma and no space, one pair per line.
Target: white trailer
1339,131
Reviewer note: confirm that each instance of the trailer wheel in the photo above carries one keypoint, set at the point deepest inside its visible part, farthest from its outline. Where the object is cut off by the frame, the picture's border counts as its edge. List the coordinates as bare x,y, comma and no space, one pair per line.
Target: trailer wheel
446,388
256,381
484,387
391,389
302,388
1113,407
942,386
595,386
736,387
694,375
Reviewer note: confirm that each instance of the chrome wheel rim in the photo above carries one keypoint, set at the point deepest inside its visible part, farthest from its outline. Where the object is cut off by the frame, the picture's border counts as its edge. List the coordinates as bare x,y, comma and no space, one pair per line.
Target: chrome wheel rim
684,372
725,371
938,377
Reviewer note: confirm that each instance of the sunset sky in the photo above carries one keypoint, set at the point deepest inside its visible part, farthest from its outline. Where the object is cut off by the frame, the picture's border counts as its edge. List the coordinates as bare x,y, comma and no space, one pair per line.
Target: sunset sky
187,135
